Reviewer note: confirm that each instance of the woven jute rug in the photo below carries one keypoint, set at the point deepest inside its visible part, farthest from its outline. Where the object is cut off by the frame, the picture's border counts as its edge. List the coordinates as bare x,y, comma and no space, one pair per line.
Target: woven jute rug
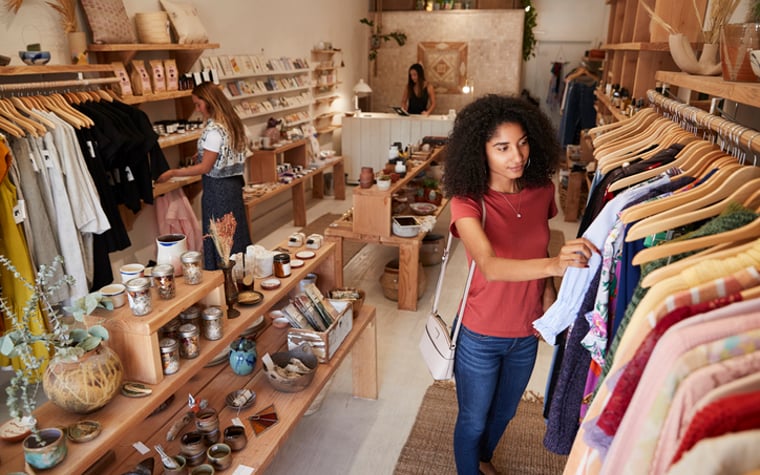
429,448
318,226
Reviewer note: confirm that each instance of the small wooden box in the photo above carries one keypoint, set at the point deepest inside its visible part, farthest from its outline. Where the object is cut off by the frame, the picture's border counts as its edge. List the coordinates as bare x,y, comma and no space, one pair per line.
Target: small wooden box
327,342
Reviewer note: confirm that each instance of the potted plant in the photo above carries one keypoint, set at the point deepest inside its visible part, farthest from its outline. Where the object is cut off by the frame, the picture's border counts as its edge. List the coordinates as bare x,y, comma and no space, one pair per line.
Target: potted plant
383,182
377,37
71,343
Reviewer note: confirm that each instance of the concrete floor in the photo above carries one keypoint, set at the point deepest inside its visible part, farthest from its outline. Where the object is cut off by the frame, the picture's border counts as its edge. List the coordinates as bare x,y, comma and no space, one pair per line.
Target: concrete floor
364,437
354,436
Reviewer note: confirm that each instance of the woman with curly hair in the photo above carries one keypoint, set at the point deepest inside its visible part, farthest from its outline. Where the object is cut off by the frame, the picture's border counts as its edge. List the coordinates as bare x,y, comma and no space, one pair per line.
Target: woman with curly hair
501,156
221,161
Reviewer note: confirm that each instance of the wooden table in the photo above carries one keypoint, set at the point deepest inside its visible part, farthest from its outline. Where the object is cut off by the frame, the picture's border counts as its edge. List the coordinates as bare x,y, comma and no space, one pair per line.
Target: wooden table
126,421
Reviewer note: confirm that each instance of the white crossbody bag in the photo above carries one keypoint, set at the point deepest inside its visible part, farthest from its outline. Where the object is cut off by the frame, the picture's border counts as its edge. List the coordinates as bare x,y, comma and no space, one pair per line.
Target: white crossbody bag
437,344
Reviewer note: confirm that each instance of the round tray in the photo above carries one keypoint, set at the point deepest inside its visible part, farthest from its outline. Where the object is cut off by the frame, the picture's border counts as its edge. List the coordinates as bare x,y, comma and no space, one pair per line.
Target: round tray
15,430
229,400
250,297
83,431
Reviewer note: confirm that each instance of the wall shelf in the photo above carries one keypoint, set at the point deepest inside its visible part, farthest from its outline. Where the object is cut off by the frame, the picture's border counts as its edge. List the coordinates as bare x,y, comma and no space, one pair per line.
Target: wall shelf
166,141
274,111
742,92
171,185
268,93
55,69
161,96
291,72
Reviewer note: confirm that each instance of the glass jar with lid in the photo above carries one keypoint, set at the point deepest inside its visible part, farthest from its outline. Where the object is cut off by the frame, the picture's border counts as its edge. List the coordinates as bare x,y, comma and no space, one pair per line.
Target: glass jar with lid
211,323
191,314
138,293
169,355
163,276
189,341
192,267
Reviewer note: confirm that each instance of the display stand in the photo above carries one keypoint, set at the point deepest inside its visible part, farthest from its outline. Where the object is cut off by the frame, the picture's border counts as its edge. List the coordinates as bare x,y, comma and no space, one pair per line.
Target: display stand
372,224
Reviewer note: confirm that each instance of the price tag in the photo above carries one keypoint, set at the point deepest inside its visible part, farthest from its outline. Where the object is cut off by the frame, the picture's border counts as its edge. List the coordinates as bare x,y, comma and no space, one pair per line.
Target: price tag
19,213
140,447
237,422
243,470
91,148
130,176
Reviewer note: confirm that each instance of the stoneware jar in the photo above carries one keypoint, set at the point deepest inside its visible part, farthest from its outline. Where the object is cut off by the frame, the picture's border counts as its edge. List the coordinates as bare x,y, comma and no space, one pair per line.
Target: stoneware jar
170,249
242,356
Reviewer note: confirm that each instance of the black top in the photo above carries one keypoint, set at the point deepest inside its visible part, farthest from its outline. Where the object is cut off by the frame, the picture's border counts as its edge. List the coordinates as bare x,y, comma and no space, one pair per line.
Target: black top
418,104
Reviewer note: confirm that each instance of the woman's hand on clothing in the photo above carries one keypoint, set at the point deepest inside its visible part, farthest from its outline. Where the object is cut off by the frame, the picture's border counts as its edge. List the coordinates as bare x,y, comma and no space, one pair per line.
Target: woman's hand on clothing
575,253
166,176
205,166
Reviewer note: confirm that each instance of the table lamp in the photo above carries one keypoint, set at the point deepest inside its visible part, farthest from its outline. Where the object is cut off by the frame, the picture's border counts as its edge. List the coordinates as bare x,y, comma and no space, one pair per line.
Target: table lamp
361,89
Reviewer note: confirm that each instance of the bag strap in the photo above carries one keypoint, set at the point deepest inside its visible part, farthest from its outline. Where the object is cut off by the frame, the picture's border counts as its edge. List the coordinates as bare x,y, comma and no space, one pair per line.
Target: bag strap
439,284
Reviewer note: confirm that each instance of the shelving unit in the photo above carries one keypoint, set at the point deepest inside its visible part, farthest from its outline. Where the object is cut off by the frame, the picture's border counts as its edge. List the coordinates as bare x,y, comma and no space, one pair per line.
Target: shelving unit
638,47
126,421
326,82
270,87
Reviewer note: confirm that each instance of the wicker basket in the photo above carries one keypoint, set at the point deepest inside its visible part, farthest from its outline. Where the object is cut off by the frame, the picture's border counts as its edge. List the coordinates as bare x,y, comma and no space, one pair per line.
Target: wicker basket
153,27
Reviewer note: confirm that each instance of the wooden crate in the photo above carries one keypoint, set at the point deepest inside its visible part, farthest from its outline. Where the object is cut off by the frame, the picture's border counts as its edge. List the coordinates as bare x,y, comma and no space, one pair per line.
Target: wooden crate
327,342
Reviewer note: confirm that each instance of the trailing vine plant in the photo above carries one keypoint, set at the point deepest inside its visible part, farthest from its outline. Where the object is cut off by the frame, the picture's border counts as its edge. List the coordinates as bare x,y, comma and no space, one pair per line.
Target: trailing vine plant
377,37
530,22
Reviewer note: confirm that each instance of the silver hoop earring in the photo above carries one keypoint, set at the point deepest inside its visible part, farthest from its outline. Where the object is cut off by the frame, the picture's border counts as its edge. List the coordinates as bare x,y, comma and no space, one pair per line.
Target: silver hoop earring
527,164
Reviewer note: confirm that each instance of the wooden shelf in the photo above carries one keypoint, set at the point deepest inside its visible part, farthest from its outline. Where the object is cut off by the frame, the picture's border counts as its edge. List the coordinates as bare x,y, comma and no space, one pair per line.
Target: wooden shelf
268,93
639,46
184,54
327,130
166,141
161,96
743,92
605,102
325,51
275,111
265,74
171,185
326,115
54,69
327,99
118,47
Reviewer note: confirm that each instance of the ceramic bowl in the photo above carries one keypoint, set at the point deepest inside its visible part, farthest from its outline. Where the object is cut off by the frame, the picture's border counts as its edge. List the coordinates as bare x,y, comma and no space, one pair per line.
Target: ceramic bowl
754,61
405,226
423,209
34,58
296,382
117,293
383,184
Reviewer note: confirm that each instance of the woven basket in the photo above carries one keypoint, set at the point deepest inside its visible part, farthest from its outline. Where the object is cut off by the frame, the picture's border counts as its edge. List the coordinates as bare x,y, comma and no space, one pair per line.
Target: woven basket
153,27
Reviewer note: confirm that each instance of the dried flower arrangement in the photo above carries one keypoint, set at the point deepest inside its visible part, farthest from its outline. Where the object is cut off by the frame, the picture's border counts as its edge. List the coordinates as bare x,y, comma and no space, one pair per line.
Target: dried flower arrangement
720,12
67,9
222,232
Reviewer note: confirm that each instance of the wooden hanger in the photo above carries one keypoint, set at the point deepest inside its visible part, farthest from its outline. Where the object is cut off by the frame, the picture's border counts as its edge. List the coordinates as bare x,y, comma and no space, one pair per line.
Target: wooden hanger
720,251
53,106
63,105
736,188
649,208
10,128
611,132
632,148
689,141
9,112
22,106
104,95
751,293
744,233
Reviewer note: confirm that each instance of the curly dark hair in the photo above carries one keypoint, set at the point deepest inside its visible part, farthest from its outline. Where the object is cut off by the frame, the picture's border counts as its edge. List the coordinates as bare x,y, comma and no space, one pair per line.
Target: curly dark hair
465,160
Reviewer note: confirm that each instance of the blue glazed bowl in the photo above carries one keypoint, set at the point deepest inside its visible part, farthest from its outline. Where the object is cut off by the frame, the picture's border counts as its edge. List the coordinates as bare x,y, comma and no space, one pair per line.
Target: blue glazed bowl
45,456
34,58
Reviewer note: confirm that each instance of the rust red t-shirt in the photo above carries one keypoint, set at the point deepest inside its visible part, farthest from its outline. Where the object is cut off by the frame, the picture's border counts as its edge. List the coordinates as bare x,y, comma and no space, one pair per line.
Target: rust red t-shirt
507,309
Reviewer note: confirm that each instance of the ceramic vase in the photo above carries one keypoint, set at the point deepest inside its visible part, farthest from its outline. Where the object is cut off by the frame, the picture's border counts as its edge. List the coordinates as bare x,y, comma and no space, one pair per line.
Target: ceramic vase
47,451
686,60
242,356
170,249
367,177
230,289
77,47
737,41
85,385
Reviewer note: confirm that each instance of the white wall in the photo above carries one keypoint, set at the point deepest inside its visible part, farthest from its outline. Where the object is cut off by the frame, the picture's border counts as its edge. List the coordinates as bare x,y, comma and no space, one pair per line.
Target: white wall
563,34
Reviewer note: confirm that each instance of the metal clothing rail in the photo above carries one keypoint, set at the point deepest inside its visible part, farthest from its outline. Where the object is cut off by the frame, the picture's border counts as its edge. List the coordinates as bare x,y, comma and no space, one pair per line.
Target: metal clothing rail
733,138
61,84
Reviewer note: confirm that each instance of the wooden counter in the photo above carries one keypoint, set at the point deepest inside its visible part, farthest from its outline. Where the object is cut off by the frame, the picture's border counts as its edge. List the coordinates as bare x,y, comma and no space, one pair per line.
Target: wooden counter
366,138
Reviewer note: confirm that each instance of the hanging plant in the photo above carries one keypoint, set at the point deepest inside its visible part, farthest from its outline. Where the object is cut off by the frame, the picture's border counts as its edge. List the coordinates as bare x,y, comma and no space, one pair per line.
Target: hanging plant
377,37
529,40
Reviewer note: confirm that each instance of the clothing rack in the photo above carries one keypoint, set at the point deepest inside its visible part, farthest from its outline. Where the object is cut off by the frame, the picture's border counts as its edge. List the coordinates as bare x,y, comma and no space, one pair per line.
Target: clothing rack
735,139
67,83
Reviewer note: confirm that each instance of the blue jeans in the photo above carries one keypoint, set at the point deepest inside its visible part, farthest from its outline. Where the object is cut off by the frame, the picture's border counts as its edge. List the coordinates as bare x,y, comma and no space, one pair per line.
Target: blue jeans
491,375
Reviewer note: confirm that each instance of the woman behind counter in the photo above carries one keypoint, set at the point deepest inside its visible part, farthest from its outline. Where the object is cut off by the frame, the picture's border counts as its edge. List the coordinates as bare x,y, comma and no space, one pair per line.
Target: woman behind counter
419,95
220,160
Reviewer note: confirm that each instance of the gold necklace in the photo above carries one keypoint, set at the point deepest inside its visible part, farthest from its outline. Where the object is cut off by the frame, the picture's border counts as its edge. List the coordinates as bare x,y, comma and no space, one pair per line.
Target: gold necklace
519,204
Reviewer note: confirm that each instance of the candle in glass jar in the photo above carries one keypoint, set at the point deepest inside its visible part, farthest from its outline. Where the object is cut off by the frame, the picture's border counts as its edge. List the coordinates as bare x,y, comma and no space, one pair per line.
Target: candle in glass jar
138,293
163,275
192,267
